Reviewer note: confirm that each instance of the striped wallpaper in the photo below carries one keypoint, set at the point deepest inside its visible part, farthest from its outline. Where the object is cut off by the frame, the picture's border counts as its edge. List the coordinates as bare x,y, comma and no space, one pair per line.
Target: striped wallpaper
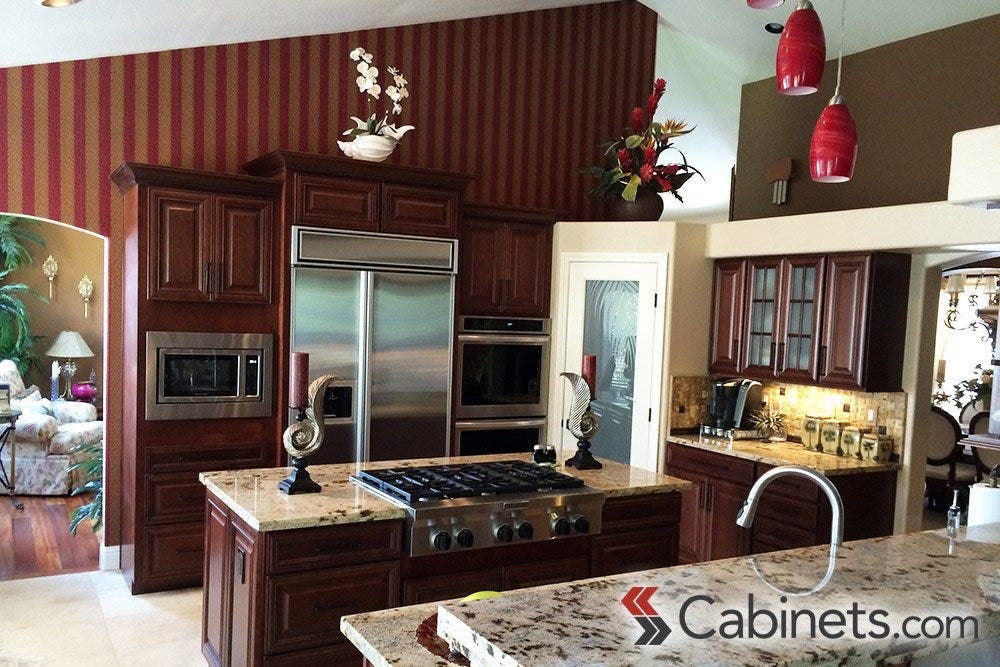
521,100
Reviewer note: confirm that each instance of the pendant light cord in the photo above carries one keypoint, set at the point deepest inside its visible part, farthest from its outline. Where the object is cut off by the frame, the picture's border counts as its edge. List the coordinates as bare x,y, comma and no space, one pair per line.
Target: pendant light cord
840,56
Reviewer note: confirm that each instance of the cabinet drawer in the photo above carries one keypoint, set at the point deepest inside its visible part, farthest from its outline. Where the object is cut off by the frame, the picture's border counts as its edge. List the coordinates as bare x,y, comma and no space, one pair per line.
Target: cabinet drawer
417,590
218,457
549,572
634,512
791,486
303,610
174,498
338,654
175,552
336,202
421,211
720,466
329,546
771,535
788,510
635,551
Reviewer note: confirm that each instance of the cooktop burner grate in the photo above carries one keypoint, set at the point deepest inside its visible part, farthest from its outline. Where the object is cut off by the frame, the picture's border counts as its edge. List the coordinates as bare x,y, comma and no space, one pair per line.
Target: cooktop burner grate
466,480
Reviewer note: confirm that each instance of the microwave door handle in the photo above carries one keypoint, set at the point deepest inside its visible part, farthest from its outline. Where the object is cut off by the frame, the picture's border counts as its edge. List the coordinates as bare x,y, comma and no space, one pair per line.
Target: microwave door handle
486,424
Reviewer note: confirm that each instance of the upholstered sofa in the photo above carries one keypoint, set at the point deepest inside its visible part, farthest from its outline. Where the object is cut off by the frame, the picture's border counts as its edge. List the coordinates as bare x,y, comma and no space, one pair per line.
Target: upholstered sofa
45,436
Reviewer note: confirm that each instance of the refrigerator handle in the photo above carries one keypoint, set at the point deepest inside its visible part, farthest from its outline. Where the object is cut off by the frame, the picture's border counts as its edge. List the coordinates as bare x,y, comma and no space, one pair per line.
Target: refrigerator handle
364,374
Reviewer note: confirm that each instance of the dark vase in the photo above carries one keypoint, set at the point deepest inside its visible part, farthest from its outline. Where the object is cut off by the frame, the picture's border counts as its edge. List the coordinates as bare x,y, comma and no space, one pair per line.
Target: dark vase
648,205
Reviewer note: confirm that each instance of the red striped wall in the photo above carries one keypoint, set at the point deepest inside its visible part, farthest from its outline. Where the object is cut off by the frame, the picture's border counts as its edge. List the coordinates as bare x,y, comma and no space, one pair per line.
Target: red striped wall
521,100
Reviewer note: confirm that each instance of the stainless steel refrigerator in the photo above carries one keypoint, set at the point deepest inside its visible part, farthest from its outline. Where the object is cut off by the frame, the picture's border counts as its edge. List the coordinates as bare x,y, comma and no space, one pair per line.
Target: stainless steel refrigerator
377,310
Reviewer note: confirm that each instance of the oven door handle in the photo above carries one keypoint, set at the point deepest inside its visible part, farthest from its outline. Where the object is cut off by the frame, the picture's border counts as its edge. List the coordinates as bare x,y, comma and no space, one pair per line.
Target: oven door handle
501,339
485,424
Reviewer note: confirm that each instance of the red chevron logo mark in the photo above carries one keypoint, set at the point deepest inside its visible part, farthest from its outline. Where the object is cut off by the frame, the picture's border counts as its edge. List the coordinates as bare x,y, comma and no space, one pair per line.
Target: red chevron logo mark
636,600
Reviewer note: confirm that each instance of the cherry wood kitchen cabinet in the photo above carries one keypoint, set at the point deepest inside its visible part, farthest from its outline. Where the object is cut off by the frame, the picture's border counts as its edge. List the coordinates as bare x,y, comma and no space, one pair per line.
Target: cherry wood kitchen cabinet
505,259
727,315
198,249
793,511
834,320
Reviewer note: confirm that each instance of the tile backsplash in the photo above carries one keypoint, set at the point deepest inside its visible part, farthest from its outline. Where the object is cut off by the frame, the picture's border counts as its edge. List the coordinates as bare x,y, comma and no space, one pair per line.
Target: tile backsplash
689,398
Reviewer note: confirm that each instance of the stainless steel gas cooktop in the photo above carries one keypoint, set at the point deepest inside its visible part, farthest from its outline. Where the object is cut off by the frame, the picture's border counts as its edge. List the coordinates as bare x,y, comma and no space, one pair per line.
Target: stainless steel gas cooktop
477,505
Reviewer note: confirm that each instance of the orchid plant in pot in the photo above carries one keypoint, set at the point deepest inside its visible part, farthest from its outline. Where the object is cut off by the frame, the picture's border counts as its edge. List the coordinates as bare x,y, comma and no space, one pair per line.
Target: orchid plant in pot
375,138
633,177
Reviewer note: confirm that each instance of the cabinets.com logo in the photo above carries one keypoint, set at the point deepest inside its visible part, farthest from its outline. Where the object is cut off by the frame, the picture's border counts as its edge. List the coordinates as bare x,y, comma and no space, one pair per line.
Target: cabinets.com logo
757,622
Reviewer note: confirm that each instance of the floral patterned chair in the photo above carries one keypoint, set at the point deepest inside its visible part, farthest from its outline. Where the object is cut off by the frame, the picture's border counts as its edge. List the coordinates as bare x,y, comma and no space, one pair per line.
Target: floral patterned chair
45,436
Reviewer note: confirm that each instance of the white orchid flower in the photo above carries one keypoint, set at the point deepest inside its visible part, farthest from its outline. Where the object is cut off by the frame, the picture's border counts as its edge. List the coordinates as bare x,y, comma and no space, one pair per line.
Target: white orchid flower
360,54
375,90
393,93
364,83
396,109
400,80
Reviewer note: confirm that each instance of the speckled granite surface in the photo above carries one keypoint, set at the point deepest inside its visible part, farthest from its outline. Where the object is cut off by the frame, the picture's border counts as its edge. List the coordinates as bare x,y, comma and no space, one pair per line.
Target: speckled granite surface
586,623
254,496
784,453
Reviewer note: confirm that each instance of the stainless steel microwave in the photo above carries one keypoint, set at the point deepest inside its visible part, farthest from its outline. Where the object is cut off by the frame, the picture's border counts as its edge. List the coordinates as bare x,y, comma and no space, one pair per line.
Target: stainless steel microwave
208,375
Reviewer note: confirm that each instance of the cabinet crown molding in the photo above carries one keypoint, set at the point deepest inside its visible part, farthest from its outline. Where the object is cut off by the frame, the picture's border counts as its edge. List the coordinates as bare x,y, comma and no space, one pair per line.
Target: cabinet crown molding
130,174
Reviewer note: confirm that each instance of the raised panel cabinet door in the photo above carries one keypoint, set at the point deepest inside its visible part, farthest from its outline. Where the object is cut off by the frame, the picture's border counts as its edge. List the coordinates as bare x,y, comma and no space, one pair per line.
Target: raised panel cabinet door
547,572
727,315
724,538
244,638
338,203
419,211
180,245
845,319
800,306
760,317
691,542
215,592
243,249
481,267
634,551
417,590
528,270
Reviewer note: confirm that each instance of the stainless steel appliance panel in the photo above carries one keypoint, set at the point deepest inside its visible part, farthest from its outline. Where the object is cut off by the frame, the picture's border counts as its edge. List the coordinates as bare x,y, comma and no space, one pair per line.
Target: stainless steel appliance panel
328,322
373,251
499,436
502,375
408,392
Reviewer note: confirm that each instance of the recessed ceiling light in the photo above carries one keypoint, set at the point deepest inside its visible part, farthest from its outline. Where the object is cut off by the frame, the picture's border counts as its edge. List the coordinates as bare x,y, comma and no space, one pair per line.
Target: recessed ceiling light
58,3
774,28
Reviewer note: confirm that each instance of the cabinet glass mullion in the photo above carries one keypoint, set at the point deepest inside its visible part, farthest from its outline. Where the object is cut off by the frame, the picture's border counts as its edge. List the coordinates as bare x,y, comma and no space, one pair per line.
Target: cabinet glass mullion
801,308
763,300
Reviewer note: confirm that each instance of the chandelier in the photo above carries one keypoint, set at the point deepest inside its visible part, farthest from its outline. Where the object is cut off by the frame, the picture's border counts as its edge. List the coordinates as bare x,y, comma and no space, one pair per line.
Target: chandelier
981,302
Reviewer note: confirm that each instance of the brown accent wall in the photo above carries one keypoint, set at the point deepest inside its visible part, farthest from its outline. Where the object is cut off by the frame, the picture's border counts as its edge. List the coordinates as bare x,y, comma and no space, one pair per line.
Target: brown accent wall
908,98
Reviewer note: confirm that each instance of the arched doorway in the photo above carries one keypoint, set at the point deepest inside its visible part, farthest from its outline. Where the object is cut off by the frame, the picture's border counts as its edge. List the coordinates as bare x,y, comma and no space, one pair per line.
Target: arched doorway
58,427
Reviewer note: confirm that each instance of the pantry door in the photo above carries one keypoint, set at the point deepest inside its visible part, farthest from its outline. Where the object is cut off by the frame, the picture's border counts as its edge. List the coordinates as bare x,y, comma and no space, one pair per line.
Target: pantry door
614,310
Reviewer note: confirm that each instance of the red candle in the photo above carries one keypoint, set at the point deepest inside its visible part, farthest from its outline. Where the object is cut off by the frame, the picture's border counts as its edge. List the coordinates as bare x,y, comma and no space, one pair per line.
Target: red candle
298,381
589,373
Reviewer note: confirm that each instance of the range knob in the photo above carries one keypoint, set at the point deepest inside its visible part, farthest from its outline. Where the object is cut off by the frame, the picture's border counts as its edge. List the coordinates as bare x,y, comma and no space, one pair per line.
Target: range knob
581,525
562,526
465,538
525,530
504,533
442,541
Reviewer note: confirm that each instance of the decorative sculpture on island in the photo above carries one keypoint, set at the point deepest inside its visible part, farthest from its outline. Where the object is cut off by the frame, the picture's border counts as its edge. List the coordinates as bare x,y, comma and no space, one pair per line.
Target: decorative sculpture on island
305,435
582,423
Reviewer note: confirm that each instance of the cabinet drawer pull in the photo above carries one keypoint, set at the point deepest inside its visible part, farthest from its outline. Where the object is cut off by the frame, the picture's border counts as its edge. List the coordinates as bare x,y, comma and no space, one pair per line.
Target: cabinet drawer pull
333,548
188,499
701,494
208,277
821,362
189,550
708,499
780,358
774,358
733,353
334,606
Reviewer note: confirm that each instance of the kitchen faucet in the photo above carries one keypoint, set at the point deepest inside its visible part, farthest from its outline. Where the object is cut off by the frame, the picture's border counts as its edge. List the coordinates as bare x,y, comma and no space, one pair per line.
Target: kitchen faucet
744,517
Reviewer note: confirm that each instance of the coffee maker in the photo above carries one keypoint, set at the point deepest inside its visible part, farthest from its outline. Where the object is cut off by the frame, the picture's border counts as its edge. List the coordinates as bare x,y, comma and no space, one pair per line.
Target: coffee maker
732,403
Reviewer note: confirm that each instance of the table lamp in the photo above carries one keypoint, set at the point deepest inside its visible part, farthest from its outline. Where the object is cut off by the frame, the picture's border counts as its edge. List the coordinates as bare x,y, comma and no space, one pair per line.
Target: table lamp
69,345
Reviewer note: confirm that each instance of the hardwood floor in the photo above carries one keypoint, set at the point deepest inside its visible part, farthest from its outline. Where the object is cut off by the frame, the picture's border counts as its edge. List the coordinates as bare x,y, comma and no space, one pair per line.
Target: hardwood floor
36,542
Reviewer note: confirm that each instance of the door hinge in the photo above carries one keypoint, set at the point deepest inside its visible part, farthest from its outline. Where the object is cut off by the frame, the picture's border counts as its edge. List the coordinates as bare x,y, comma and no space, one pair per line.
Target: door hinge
649,417
656,299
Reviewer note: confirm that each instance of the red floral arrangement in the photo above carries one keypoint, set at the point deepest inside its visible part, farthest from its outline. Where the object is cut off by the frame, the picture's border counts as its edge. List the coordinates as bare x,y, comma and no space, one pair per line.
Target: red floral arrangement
634,156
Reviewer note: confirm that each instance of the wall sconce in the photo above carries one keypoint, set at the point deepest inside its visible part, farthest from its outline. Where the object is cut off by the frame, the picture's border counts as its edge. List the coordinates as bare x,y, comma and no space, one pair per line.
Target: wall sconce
86,289
50,268
978,318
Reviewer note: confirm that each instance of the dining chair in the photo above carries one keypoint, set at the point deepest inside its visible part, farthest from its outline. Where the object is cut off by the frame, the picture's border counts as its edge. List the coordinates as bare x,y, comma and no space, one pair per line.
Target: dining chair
985,457
945,469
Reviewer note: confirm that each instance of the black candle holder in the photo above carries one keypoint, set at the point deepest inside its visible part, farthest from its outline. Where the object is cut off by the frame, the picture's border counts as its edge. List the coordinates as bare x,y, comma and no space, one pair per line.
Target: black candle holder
299,480
583,459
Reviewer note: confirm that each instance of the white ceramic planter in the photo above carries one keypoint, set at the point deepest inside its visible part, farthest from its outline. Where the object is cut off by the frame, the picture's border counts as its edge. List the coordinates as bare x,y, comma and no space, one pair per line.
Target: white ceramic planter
369,147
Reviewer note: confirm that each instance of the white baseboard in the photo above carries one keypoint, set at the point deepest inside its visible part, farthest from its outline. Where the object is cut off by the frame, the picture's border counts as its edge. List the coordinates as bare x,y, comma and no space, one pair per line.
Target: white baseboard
109,558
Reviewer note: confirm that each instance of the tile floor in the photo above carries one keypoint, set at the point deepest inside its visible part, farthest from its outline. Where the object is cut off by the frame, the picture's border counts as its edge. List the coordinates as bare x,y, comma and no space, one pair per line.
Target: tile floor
90,618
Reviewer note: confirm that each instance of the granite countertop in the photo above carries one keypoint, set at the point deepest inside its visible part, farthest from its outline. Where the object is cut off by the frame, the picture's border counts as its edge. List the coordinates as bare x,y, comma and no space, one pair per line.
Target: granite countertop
918,574
254,496
783,454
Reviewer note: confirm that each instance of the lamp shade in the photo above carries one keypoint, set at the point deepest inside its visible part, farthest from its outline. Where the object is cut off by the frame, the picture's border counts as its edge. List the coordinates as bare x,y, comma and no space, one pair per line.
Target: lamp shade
764,4
955,284
801,55
69,345
834,146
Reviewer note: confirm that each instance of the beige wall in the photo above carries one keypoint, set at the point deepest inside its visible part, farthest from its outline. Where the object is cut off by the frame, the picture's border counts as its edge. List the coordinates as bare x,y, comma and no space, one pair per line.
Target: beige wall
78,252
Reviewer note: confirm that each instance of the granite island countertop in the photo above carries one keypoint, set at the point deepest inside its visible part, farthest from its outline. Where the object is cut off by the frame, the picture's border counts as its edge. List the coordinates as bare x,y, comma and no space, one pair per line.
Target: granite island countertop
253,494
923,575
782,454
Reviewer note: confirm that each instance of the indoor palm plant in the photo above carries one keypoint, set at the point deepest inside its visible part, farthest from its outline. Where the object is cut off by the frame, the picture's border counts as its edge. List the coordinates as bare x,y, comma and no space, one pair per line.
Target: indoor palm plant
634,177
16,339
92,468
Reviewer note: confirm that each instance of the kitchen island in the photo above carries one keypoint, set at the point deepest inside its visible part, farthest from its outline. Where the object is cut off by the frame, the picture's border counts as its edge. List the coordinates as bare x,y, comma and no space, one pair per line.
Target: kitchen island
951,587
281,570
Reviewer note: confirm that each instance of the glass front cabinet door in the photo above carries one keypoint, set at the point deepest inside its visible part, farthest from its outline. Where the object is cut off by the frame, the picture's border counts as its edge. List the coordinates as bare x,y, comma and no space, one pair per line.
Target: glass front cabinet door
761,316
800,308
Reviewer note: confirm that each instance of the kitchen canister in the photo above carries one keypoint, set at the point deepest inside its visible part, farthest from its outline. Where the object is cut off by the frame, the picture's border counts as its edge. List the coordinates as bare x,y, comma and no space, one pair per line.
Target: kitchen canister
984,504
830,431
810,431
876,447
850,441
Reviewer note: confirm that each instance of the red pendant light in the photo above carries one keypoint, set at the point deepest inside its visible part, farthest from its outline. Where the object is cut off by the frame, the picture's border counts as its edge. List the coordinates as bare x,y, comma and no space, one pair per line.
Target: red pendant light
801,55
834,147
764,4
